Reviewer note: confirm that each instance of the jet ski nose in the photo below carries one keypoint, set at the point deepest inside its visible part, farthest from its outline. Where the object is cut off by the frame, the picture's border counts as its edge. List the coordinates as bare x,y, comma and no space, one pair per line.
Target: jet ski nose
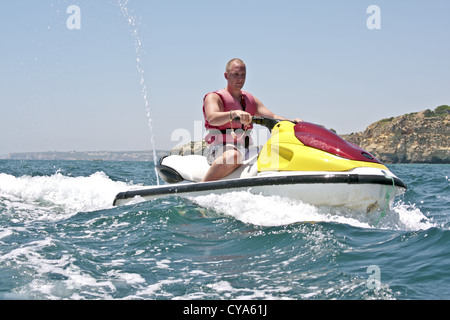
318,137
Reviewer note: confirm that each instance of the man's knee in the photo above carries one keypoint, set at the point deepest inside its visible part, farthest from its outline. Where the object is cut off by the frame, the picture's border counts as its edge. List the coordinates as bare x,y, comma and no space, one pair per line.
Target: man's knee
232,157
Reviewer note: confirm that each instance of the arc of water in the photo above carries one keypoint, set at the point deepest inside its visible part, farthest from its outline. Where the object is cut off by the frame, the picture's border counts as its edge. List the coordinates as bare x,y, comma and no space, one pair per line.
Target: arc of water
131,19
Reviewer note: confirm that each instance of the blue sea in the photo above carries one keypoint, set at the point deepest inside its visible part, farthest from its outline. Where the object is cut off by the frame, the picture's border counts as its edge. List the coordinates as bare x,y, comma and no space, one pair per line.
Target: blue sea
61,238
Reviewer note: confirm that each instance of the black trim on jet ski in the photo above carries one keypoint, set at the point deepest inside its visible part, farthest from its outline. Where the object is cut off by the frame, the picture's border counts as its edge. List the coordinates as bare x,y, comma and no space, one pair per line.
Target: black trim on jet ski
261,181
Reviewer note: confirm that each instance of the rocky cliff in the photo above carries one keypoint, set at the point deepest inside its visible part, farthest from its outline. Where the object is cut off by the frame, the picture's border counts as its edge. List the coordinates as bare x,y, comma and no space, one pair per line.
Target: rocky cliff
419,137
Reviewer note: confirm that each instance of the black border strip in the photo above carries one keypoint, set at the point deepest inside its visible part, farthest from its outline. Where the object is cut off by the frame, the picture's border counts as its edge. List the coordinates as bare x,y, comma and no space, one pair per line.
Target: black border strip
261,181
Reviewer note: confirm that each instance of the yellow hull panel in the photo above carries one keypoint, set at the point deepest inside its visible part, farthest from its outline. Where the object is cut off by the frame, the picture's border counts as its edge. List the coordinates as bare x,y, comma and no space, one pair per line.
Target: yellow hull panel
284,152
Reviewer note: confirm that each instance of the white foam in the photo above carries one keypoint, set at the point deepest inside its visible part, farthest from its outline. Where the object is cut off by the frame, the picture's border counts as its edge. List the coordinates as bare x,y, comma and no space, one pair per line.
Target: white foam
31,257
157,289
278,211
51,196
411,218
163,264
129,278
269,210
5,233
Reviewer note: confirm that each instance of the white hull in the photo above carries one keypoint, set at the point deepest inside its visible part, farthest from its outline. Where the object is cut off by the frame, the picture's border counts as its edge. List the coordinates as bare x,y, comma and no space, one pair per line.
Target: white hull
364,189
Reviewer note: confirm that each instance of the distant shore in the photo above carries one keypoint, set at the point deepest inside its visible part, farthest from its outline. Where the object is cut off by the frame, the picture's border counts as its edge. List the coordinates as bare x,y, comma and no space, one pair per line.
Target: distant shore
86,155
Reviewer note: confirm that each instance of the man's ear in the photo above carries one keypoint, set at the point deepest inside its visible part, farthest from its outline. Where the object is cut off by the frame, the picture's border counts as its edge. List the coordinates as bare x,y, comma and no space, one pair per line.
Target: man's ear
225,75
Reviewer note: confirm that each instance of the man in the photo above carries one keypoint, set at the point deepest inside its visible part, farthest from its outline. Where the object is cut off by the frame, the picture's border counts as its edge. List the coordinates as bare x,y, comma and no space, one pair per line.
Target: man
220,108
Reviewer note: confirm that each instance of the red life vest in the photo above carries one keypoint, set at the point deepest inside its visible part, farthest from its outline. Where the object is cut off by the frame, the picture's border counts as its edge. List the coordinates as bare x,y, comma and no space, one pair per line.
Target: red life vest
247,104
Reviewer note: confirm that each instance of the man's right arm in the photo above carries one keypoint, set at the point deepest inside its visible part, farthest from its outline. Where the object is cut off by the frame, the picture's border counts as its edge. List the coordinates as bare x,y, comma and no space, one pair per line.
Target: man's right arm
214,110
215,114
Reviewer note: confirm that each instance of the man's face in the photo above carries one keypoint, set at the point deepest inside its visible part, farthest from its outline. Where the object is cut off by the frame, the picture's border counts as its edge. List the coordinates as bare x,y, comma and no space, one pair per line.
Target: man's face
236,75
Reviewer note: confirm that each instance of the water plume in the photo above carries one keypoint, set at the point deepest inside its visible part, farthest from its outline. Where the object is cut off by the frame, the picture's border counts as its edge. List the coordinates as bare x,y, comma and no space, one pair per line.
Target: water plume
132,24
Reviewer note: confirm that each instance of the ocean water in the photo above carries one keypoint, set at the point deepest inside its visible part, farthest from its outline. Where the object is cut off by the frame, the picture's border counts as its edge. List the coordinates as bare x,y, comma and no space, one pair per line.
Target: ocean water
61,238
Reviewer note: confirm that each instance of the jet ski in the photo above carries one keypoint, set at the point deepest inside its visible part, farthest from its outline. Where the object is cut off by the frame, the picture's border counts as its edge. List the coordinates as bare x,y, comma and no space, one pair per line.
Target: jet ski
301,161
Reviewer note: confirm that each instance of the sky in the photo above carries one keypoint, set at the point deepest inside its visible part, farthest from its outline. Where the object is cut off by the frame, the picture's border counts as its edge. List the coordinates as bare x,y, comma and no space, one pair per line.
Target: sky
133,74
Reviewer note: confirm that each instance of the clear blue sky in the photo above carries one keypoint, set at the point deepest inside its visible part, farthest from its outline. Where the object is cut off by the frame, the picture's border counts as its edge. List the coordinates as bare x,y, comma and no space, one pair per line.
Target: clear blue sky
80,90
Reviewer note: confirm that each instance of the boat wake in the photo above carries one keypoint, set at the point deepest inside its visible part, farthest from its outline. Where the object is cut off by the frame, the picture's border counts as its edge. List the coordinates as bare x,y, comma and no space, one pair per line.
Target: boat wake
58,197
271,211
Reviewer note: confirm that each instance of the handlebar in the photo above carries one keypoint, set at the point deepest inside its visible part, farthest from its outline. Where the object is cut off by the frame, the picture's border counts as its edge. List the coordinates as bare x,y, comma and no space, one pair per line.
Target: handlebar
269,123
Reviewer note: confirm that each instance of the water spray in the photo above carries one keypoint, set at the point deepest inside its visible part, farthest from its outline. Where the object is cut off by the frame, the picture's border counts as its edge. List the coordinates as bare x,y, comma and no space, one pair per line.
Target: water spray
131,19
